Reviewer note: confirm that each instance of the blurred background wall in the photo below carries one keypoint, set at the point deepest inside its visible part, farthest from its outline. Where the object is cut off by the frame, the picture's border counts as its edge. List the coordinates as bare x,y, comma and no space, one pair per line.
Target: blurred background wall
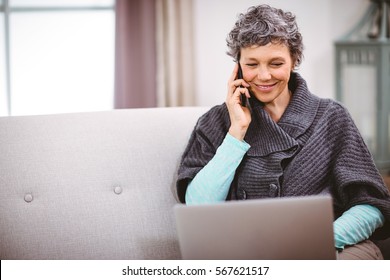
321,23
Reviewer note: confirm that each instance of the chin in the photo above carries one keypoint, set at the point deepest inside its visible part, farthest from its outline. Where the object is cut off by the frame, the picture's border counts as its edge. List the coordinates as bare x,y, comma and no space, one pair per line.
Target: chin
265,99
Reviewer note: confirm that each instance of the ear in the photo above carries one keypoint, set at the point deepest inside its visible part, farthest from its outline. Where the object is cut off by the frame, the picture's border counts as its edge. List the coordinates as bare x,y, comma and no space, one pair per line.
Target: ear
293,65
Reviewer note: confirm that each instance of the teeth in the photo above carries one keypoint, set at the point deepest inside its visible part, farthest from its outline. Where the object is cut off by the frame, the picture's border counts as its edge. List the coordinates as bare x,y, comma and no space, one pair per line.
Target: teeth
264,87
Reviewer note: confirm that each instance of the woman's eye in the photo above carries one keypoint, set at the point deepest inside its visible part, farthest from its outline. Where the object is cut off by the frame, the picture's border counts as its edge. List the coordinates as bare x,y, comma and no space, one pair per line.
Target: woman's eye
251,64
277,64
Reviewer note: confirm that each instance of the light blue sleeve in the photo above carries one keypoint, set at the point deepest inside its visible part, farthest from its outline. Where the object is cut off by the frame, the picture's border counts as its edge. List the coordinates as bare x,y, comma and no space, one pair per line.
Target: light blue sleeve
357,224
212,182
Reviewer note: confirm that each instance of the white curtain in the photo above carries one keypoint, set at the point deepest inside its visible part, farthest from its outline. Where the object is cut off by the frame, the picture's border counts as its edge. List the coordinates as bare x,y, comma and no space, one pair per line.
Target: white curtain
175,60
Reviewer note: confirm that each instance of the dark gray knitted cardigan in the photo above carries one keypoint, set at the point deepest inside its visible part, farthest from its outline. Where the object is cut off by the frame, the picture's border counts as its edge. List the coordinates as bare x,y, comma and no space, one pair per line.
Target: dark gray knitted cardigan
315,148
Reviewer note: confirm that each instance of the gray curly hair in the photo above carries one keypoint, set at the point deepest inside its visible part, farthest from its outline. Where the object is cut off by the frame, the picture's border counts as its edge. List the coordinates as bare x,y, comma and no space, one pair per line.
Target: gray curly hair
261,25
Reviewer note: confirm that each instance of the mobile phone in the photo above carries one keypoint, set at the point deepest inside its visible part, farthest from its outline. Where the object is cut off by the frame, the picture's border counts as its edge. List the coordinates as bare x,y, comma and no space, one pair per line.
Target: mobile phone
243,98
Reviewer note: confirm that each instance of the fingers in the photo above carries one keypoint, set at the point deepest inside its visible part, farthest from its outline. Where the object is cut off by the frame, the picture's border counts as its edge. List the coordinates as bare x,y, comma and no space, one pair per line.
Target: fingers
234,83
241,91
235,98
237,88
238,83
234,80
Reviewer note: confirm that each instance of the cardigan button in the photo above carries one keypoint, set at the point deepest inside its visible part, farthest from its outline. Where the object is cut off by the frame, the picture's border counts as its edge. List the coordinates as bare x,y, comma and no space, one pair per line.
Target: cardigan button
273,190
241,194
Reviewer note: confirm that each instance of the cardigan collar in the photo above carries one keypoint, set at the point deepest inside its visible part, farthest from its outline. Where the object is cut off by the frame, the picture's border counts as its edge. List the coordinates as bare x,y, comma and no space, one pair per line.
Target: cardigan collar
266,136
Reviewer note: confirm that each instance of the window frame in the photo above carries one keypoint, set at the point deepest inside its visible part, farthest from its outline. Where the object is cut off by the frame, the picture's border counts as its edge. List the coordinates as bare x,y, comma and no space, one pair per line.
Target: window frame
6,10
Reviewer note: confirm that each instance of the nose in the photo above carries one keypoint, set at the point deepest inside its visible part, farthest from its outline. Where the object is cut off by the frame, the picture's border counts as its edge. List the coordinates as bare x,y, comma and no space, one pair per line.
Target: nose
263,73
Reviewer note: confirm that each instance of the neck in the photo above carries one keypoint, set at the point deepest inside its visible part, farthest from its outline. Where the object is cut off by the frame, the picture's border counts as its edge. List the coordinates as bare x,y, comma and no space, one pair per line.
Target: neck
276,107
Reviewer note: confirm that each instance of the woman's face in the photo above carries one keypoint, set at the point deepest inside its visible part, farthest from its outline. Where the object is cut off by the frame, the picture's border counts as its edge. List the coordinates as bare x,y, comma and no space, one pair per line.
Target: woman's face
267,70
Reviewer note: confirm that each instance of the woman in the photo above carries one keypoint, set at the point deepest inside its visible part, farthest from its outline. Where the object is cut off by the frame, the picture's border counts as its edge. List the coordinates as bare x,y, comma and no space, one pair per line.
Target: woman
288,142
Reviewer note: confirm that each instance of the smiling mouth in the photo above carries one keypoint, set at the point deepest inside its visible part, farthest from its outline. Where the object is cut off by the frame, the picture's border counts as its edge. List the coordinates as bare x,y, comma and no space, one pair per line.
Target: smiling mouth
264,87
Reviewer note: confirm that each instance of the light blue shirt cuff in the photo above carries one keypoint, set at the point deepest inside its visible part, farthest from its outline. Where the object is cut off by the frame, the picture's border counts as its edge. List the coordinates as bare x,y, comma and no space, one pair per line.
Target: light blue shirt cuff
357,224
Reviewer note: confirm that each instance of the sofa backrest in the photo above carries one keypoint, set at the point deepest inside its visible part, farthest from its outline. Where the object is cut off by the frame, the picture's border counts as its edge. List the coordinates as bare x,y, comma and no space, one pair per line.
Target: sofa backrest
96,185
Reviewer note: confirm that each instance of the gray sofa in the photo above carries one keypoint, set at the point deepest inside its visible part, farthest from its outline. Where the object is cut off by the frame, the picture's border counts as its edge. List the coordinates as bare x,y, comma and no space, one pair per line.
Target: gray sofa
95,185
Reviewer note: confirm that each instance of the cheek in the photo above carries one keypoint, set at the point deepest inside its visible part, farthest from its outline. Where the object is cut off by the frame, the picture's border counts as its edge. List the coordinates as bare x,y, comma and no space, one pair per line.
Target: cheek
249,74
282,74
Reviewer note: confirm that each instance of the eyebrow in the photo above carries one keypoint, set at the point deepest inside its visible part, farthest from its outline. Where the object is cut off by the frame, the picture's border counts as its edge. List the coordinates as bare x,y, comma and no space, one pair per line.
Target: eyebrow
272,58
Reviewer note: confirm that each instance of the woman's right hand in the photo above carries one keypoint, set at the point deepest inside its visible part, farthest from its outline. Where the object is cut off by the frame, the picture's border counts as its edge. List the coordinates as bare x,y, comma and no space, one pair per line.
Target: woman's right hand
240,116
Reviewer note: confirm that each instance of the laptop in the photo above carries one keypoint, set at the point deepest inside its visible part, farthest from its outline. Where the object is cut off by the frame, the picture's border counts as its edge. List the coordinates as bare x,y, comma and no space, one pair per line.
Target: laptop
294,228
